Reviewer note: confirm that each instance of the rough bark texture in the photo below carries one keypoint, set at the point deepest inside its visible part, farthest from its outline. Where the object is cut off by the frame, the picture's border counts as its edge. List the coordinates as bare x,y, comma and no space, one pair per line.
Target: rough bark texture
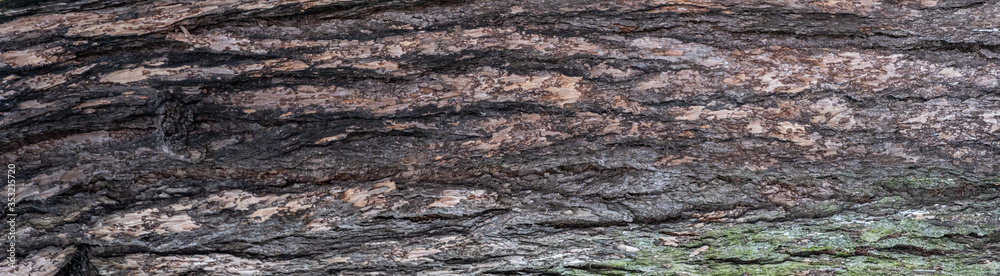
673,137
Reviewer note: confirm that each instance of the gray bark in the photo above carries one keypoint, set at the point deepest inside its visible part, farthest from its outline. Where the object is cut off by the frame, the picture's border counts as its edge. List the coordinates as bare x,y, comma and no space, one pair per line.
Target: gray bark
316,137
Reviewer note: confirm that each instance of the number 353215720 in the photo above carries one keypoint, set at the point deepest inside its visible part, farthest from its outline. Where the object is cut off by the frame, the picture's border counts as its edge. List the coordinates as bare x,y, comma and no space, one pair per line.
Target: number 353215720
11,191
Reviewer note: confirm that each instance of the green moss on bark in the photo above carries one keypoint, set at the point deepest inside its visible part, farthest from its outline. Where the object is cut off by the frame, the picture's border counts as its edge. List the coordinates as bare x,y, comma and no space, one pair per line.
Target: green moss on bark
930,241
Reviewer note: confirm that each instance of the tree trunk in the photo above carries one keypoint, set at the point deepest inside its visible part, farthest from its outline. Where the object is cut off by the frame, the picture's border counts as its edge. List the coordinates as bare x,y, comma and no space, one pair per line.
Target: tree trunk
317,137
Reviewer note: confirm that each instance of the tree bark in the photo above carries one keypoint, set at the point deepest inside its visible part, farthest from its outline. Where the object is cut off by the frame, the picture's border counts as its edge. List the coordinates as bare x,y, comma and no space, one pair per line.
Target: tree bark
662,137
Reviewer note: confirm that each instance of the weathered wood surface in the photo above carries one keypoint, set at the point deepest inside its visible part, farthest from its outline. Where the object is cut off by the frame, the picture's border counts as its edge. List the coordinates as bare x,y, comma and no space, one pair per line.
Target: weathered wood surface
320,137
